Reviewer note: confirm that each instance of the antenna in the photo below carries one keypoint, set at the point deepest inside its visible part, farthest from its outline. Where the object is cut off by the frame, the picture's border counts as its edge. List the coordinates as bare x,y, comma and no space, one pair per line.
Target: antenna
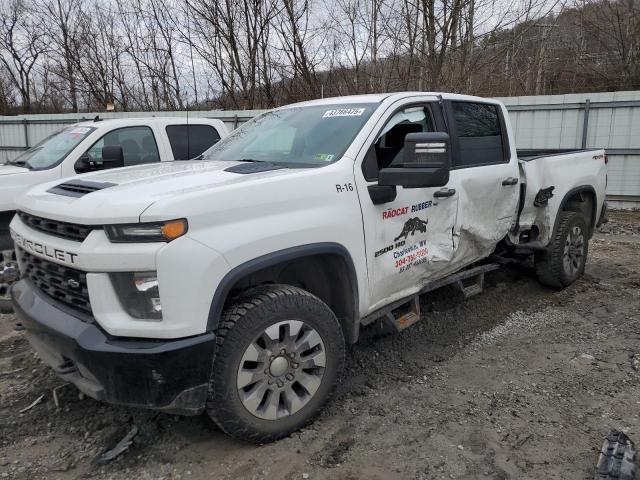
193,74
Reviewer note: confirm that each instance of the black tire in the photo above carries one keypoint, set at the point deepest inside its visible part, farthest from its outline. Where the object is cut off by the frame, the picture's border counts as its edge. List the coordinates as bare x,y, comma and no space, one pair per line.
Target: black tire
252,312
551,269
7,257
6,306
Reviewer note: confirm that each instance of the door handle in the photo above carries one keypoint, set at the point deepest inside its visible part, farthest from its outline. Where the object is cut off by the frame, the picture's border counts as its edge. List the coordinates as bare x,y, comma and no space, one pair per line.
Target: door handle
509,181
445,192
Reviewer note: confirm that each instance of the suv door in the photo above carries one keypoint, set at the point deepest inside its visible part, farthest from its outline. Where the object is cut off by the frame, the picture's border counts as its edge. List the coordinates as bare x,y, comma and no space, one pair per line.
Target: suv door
138,145
189,141
486,170
409,239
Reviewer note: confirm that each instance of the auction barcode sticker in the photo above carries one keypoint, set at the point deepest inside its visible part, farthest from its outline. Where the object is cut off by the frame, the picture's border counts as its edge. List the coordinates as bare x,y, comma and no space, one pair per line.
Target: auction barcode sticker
344,112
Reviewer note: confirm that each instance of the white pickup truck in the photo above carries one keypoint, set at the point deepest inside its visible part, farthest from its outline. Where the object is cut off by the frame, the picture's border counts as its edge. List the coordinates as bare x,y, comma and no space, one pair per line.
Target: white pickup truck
233,285
95,145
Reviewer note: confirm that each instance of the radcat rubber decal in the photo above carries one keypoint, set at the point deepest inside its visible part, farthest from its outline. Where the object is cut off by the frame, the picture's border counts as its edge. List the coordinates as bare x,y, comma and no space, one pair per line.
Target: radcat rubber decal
412,226
411,256
396,212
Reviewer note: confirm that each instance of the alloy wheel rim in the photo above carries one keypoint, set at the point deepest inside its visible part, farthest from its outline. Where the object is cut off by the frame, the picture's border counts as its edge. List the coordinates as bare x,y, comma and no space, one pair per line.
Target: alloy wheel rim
281,370
9,273
573,251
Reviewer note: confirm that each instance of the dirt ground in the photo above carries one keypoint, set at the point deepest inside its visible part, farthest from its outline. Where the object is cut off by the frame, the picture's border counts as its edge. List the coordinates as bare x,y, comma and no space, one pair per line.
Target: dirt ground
521,382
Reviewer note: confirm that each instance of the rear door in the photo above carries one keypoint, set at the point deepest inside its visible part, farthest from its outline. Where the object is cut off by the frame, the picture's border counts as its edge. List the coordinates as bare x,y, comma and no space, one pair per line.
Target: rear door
409,239
189,141
485,168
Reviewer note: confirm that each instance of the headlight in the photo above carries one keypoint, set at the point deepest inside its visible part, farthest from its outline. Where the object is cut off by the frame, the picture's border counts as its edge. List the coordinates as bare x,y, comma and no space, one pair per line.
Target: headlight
139,294
147,232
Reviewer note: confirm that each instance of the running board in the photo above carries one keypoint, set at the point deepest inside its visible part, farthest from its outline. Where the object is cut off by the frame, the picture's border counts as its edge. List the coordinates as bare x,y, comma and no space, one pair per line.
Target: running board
471,286
408,318
404,313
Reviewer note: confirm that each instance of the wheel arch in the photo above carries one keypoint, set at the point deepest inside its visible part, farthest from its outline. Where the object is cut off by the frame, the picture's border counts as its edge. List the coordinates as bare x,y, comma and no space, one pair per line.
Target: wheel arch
324,269
582,200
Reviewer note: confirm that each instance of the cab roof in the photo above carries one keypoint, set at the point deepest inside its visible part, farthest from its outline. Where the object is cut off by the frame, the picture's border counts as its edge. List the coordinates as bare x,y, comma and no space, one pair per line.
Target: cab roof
161,121
380,97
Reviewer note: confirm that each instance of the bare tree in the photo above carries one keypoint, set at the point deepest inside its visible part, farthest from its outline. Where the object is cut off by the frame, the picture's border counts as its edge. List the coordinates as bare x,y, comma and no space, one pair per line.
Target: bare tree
62,16
22,44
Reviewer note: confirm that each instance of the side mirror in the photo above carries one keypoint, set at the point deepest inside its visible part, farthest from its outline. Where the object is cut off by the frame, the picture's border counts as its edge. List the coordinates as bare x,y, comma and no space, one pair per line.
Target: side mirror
83,164
426,162
112,156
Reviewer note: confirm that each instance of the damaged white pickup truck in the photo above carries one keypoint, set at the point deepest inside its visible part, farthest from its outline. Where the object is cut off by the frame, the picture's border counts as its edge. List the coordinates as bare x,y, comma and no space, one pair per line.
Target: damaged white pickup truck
233,285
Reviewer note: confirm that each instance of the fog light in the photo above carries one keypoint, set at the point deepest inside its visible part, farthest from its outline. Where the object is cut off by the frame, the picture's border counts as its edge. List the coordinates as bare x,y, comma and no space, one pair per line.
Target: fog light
139,294
157,307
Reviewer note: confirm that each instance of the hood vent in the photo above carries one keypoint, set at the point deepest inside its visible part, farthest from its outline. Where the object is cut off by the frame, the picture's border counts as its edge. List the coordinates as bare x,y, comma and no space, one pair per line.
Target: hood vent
79,188
256,167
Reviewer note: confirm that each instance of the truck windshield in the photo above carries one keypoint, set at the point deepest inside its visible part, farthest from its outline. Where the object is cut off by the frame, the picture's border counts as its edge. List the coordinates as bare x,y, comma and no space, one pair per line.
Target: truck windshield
305,136
53,149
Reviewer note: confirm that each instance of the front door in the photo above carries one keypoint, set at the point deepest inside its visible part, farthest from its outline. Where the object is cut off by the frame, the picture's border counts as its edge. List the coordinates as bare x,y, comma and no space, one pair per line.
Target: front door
410,239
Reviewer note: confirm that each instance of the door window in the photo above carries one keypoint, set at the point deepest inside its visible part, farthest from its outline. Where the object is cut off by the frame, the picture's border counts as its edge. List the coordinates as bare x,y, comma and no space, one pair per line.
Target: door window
389,146
138,145
189,141
479,134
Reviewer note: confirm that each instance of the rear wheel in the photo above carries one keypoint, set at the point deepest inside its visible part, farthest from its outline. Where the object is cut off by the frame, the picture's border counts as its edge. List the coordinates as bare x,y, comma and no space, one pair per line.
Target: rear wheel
279,353
563,262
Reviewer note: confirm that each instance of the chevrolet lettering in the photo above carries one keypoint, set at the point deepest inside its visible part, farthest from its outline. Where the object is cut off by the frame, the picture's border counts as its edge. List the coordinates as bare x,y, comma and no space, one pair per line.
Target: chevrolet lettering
43,250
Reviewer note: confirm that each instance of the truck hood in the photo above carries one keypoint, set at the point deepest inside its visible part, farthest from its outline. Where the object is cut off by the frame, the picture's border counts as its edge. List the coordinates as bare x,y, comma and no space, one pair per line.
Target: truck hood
125,193
6,169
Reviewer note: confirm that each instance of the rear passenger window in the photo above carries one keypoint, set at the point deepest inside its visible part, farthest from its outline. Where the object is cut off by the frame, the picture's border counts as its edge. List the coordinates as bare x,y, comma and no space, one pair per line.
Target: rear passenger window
479,134
189,141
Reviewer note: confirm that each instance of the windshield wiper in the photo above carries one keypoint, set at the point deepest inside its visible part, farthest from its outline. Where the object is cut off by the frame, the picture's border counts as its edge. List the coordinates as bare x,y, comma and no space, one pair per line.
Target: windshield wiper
19,163
252,160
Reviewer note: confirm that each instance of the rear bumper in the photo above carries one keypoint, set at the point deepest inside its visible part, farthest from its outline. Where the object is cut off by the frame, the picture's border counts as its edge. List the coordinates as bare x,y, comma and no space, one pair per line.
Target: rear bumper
169,375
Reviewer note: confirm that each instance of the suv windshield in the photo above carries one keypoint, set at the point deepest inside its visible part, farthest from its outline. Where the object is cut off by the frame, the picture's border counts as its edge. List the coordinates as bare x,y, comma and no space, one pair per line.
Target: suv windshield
53,149
305,136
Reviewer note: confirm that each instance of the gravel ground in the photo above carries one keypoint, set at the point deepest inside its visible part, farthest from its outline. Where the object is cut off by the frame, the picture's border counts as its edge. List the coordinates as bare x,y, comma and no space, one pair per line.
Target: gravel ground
521,382
622,222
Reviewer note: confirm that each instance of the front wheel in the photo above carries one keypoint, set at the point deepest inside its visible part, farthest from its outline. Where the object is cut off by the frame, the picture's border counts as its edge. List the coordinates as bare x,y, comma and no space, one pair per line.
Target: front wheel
564,260
9,274
279,353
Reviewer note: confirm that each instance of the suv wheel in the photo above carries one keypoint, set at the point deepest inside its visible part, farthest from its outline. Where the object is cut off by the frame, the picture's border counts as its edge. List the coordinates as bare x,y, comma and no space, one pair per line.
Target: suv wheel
563,262
279,353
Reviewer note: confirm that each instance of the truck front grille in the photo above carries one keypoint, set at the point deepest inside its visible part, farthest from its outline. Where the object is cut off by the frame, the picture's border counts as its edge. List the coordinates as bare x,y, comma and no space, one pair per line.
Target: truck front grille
63,284
70,231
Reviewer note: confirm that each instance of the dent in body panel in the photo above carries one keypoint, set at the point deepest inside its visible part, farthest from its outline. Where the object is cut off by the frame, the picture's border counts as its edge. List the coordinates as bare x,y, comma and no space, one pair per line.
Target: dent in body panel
565,173
486,211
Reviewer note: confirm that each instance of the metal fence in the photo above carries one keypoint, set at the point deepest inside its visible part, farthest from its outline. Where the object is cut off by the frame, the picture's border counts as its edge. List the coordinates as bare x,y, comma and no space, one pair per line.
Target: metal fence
599,120
602,120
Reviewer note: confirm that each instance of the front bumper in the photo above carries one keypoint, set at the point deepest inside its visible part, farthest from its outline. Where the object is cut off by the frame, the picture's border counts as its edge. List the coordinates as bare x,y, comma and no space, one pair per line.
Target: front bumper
169,375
